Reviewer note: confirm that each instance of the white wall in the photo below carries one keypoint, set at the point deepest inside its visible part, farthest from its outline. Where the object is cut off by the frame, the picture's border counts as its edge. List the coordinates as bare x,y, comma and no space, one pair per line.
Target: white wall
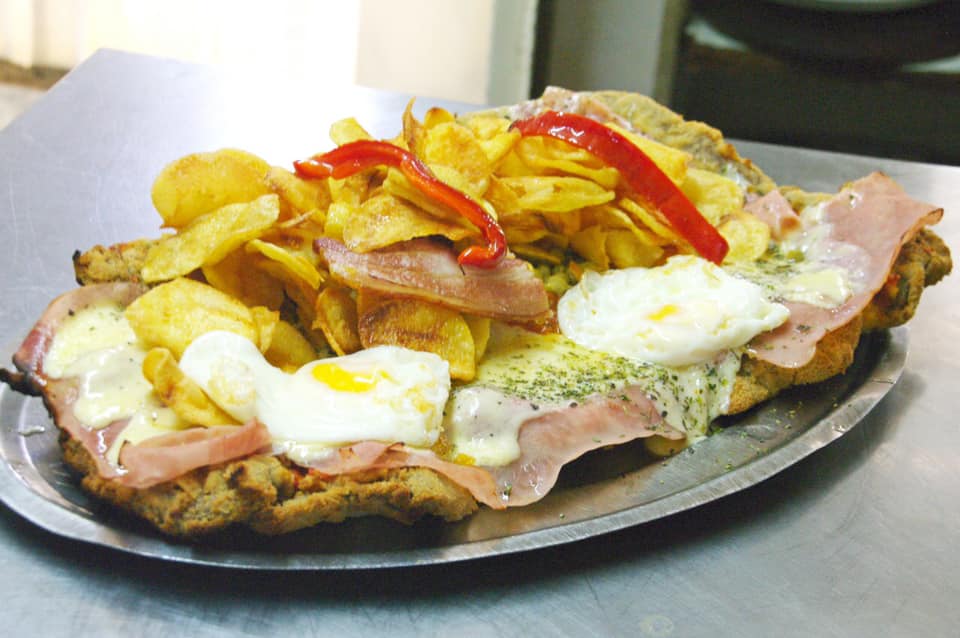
477,51
298,39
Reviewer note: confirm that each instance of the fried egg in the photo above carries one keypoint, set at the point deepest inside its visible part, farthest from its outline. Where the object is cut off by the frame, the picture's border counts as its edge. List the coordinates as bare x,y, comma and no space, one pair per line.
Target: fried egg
386,393
684,312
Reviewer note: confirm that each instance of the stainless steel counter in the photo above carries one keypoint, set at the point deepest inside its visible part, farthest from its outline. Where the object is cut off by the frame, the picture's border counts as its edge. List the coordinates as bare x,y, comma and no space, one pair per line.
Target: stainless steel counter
858,539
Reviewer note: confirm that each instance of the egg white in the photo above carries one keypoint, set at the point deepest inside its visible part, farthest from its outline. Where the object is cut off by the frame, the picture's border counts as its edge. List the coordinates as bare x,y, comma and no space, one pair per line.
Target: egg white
684,312
386,393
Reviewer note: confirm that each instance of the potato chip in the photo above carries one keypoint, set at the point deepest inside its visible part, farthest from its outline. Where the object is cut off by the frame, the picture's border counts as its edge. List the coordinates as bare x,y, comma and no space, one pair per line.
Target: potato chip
747,237
536,253
348,130
237,275
414,132
418,325
385,219
181,393
202,182
435,116
398,185
645,218
265,322
295,264
670,160
289,349
209,238
550,156
453,145
173,314
303,296
611,217
297,195
626,251
591,244
503,198
336,317
338,215
557,194
494,136
480,330
714,195
524,230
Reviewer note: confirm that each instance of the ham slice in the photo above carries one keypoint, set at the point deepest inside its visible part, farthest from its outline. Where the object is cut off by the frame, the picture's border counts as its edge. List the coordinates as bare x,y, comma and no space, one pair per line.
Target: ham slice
373,455
149,462
427,270
876,217
550,441
775,211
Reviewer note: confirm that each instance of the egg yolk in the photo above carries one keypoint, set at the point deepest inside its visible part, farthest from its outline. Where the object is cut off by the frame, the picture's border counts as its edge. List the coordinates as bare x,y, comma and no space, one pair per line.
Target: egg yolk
664,312
341,380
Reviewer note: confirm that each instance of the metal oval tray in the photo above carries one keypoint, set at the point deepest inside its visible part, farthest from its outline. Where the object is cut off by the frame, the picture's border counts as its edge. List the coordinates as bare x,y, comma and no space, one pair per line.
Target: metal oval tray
599,493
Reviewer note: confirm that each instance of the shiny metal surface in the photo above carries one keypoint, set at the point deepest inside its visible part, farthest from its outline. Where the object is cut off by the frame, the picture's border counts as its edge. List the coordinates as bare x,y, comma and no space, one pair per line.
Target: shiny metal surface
856,539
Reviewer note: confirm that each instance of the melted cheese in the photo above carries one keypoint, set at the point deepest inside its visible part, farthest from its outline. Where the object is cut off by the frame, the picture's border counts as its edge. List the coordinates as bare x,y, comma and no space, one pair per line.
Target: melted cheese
549,372
97,346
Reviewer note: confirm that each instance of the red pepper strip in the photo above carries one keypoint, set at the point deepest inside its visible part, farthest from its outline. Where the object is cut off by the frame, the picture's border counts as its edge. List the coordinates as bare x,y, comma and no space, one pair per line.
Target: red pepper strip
354,157
638,170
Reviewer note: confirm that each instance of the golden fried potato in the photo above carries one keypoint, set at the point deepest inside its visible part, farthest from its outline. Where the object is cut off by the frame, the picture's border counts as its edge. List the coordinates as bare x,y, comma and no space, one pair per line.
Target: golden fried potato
557,194
289,349
480,330
452,145
651,220
670,160
547,156
591,244
296,265
265,321
714,195
202,182
336,317
179,392
298,196
385,219
209,238
238,275
747,237
494,136
418,325
626,251
173,314
348,130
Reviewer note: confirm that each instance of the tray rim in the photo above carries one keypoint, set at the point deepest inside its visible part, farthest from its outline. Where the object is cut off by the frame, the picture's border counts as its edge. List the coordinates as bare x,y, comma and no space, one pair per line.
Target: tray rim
17,494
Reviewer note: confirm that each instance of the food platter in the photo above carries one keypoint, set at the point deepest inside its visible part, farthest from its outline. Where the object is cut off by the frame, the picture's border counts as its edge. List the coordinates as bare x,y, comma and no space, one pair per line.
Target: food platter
599,493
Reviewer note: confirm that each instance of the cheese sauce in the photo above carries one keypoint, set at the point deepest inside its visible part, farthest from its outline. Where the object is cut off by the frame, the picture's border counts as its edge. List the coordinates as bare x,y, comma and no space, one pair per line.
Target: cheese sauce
808,266
549,372
97,346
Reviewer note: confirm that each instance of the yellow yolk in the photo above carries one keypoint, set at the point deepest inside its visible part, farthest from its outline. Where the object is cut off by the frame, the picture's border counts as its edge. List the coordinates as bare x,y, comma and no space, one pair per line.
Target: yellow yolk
685,312
336,378
385,393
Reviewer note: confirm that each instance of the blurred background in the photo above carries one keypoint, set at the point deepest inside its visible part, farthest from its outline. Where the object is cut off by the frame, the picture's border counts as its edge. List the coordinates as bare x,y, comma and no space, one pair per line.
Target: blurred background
875,77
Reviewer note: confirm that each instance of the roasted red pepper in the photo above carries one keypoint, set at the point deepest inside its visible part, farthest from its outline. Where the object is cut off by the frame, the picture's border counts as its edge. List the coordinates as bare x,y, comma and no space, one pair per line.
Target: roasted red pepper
639,172
354,157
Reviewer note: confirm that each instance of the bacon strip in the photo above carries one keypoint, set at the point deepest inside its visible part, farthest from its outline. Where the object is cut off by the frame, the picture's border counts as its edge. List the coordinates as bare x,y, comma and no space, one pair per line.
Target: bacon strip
875,215
426,270
151,461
